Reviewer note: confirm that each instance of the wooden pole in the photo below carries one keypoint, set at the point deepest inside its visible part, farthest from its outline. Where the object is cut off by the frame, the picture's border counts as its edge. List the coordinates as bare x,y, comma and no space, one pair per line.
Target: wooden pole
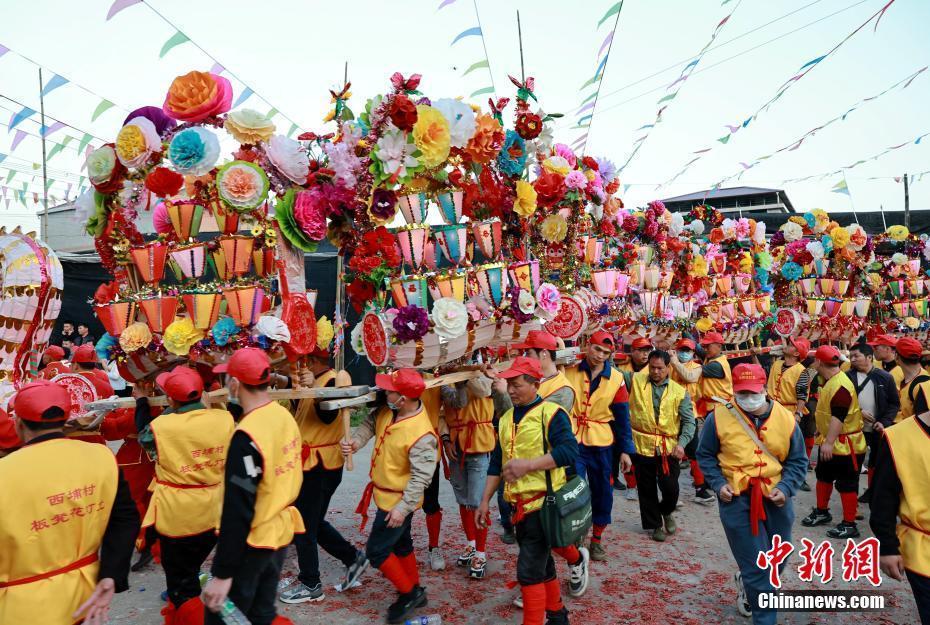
44,227
520,38
907,205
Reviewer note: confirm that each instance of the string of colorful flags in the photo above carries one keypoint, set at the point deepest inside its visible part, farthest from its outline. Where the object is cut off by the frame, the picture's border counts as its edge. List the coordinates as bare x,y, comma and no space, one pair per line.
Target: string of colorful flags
485,63
673,89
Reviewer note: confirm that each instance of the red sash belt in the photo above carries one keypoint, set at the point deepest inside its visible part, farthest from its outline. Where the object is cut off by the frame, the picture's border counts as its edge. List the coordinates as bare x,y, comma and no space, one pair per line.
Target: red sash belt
756,507
365,501
844,438
664,453
903,522
184,486
519,508
469,428
77,564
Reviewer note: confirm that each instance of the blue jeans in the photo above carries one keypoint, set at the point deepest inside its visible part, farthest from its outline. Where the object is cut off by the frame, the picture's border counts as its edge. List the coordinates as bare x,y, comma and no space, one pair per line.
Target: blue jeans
746,547
468,478
504,508
593,464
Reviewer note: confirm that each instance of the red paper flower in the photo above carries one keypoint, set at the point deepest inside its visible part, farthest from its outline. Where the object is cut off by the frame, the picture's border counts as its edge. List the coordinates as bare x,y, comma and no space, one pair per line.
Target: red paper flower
590,163
403,112
529,125
106,292
716,235
163,182
549,187
360,292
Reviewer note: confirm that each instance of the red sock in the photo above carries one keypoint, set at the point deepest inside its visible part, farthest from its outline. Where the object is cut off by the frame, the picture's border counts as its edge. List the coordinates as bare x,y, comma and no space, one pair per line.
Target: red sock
824,490
597,532
393,569
189,613
433,523
570,553
468,523
481,538
868,476
696,474
850,506
809,446
553,596
409,562
630,479
534,604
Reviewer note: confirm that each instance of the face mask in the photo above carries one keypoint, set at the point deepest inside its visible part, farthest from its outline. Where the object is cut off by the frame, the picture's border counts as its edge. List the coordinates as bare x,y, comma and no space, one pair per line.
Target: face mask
751,403
685,356
393,406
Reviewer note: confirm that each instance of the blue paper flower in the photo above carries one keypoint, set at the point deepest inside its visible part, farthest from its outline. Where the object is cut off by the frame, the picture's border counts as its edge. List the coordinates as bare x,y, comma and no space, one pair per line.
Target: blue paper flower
811,220
224,330
512,158
194,151
791,271
762,275
827,242
104,347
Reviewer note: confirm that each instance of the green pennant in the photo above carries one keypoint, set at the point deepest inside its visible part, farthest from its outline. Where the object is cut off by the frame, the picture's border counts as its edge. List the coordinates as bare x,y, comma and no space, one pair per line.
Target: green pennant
292,130
590,82
588,99
724,139
667,98
85,141
176,39
482,91
102,108
10,176
49,183
477,65
272,113
610,12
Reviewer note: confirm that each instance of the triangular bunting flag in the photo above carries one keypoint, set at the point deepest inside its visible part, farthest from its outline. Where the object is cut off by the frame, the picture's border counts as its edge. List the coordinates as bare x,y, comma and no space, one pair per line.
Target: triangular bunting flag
474,31
245,95
176,39
102,108
53,83
610,12
475,66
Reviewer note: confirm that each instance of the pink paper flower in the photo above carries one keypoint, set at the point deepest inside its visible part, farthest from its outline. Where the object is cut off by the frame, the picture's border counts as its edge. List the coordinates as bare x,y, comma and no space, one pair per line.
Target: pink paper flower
566,152
576,180
310,214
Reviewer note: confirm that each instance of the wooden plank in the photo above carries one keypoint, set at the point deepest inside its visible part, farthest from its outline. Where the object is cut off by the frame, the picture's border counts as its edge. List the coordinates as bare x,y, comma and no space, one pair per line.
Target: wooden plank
338,404
222,394
467,372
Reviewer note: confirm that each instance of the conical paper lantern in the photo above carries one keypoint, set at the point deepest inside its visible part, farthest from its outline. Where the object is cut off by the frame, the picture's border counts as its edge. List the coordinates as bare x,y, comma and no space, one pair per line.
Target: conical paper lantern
724,283
636,272
623,284
821,266
593,251
150,260
716,263
742,282
840,287
130,276
185,218
525,275
413,208
763,304
896,287
450,206
202,308
710,285
916,287
116,316
847,307
912,268
451,241
729,310
429,255
159,312
605,282
862,306
901,309
814,306
651,301
237,249
808,285
451,285
244,303
492,280
409,291
263,261
412,241
190,259
831,307
226,220
651,278
826,286
748,306
488,235
646,253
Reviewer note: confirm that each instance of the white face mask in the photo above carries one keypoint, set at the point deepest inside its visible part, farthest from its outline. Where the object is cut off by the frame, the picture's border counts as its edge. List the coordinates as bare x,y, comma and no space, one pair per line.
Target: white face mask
750,402
685,356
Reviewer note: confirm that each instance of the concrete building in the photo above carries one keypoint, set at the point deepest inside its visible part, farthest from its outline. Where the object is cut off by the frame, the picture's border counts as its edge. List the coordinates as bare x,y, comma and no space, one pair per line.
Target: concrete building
734,200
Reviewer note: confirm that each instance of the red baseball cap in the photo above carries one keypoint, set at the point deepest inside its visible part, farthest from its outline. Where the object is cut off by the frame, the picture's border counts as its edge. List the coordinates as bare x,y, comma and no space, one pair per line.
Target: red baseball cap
407,382
748,377
641,343
36,398
84,353
685,344
603,338
539,339
250,365
712,337
802,345
909,348
181,384
884,339
523,365
55,352
828,354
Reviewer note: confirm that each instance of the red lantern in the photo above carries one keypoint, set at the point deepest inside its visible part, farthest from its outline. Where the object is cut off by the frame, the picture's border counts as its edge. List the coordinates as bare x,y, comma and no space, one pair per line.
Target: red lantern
116,316
150,260
159,312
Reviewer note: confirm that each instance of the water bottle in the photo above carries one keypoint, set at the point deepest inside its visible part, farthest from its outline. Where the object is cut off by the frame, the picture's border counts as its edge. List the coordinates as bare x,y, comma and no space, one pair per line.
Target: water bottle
232,615
432,619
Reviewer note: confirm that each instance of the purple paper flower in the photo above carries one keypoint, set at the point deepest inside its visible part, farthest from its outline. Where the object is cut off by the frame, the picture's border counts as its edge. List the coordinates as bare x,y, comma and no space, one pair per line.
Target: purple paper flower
411,323
156,115
383,204
518,315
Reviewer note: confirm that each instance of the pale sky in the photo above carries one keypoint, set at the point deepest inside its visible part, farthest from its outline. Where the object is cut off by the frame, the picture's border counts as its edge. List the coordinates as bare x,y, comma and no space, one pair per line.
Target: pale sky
291,53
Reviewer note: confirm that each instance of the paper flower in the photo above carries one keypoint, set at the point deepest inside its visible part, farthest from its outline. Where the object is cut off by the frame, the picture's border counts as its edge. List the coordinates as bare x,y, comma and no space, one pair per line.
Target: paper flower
288,157
567,153
856,236
556,165
487,140
402,112
526,302
576,180
180,336
324,332
549,187
912,322
242,185
273,328
899,258
163,182
791,231
450,317
528,125
135,337
703,324
607,170
309,214
383,205
548,298
525,203
461,120
104,169
554,228
249,126
196,96
698,267
821,220
816,249
758,233
764,260
791,271
356,339
223,330
512,158
410,324
897,233
105,346
696,227
194,151
154,114
394,154
431,136
136,141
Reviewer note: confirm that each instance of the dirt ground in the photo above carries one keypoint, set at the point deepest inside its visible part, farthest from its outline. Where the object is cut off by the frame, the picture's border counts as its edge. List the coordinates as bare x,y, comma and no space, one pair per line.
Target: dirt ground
685,581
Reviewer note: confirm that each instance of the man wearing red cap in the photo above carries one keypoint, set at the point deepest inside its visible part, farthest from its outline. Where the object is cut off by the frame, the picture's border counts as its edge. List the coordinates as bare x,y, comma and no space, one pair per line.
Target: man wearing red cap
716,379
521,460
84,362
189,449
900,508
842,445
686,372
912,374
262,481
68,522
321,432
879,400
402,465
886,357
639,355
53,355
599,417
753,456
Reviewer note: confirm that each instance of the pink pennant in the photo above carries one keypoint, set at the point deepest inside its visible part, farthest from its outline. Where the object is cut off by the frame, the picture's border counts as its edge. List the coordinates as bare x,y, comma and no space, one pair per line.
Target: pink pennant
119,5
217,69
606,43
20,135
53,128
732,129
3,49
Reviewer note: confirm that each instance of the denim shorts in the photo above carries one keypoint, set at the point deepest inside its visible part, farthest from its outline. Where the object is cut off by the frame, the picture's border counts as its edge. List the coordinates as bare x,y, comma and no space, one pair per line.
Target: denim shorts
468,478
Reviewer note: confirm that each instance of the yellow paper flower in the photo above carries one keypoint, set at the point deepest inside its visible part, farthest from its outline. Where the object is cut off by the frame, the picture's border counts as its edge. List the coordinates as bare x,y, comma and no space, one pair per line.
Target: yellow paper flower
698,267
525,204
554,228
745,263
180,336
249,126
589,174
135,337
912,322
130,143
840,238
898,233
557,165
797,219
431,135
703,324
324,332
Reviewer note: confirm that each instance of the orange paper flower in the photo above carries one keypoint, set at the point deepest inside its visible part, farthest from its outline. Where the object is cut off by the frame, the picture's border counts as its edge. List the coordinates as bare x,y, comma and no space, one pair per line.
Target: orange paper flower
487,140
196,96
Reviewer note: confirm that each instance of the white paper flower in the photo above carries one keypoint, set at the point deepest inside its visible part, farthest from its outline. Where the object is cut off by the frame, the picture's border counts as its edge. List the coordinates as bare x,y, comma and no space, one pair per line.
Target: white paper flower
249,126
289,157
816,249
357,340
677,224
272,328
792,231
758,235
696,226
136,141
450,317
394,153
899,258
526,302
461,120
856,232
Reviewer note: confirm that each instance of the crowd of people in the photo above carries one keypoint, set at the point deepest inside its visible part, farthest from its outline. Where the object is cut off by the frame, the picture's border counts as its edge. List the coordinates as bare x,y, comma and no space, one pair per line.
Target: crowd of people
246,478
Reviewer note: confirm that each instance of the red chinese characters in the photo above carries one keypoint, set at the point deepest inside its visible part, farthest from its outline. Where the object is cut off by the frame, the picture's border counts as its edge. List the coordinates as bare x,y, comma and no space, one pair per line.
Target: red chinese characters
816,561
774,558
861,561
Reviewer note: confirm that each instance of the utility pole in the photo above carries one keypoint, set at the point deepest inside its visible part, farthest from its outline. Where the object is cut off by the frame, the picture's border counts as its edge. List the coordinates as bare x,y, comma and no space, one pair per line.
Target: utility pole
907,205
44,228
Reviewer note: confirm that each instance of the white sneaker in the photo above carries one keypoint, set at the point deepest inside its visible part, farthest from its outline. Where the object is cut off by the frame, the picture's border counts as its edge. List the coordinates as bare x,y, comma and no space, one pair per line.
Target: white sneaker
742,604
436,561
518,600
631,495
578,574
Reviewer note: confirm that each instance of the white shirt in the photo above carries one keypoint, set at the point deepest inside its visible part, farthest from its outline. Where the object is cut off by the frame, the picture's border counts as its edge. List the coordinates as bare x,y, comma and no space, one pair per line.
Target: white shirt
116,380
866,397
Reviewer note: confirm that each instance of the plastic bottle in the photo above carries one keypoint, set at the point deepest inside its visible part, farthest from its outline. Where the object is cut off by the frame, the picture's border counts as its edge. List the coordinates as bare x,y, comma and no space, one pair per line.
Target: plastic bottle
232,615
432,619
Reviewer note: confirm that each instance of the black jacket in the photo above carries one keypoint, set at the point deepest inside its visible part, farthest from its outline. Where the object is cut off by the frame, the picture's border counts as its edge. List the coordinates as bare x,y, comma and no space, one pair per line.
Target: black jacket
887,400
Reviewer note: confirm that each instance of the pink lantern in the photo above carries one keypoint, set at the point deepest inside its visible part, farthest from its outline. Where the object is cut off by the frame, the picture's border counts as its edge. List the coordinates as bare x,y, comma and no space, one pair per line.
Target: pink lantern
826,286
413,208
593,251
429,255
605,282
192,259
488,235
412,241
623,283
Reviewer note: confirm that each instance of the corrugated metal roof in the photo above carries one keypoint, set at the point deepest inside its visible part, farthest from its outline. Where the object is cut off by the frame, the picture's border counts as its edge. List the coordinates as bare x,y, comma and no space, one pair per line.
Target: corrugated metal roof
722,193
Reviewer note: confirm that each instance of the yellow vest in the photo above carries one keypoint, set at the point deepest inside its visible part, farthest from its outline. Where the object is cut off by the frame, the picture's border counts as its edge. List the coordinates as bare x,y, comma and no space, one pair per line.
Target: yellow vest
782,383
910,449
716,387
649,429
896,372
692,388
851,434
188,495
591,414
320,440
741,459
525,441
472,427
56,497
553,385
275,434
390,459
432,403
904,393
